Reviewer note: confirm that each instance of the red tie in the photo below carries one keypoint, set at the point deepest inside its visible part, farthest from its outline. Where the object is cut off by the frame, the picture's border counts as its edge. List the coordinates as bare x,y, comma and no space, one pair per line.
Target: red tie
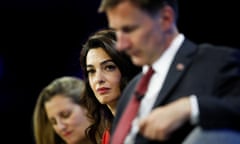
131,110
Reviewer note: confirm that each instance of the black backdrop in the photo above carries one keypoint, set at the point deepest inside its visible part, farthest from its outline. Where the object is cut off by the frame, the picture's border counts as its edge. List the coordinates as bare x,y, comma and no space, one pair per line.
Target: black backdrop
41,40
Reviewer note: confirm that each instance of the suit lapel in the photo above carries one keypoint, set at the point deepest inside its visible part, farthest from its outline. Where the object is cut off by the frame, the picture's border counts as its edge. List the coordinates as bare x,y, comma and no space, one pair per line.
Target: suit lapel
180,64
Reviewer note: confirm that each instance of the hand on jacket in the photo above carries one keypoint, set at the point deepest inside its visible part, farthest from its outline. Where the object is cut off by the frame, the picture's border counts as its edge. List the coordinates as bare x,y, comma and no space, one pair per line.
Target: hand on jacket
162,121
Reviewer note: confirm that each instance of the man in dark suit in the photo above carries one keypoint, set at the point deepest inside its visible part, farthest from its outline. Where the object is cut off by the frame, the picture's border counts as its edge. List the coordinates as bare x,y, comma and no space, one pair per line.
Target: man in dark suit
193,85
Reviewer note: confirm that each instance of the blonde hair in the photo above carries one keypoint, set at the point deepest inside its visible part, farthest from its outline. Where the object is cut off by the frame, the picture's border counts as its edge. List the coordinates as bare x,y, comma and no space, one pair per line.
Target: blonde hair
71,87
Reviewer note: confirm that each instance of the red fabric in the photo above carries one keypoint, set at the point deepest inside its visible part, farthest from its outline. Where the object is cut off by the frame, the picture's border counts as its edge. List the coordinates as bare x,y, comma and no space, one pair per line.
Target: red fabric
131,110
106,137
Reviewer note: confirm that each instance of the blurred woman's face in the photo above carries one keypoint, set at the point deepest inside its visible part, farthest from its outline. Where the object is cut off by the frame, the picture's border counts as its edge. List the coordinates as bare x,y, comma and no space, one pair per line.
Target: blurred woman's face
104,76
68,119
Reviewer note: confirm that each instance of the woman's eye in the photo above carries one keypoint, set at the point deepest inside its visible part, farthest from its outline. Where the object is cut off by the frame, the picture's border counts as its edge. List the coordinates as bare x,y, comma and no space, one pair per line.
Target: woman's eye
90,71
110,67
66,114
53,121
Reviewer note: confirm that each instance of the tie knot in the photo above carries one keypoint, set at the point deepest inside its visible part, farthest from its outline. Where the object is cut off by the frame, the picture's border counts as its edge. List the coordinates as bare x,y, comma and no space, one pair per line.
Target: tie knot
149,72
143,83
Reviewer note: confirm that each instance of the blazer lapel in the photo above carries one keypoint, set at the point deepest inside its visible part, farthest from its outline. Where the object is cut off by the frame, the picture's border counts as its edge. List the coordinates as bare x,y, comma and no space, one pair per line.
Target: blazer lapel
180,64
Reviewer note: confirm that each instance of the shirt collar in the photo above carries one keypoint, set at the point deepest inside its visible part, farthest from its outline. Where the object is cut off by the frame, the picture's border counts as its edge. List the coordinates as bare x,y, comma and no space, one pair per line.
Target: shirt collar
169,52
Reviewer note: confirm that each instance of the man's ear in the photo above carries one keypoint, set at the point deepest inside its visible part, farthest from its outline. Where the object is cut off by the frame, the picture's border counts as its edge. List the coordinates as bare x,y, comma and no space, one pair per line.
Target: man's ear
167,17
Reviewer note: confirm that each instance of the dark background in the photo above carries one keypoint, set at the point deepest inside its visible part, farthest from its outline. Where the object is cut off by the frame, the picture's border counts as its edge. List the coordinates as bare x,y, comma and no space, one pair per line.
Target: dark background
41,40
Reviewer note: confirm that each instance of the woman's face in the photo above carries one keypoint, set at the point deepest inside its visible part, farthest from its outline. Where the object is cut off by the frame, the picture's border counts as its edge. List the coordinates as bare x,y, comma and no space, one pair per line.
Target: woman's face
68,119
104,76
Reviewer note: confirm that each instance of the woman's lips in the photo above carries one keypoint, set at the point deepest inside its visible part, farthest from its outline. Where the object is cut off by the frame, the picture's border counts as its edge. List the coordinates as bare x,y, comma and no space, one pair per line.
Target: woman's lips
103,90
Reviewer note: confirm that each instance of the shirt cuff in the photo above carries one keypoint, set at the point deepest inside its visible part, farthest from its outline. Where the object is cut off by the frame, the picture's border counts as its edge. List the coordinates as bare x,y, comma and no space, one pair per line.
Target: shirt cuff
194,110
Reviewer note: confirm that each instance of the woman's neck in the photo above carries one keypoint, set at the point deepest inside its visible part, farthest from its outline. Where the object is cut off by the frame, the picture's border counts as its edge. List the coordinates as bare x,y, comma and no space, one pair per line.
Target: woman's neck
112,108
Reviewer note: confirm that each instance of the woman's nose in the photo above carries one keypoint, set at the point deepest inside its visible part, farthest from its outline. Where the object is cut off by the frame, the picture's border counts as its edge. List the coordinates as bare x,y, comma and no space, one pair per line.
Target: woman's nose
61,125
99,78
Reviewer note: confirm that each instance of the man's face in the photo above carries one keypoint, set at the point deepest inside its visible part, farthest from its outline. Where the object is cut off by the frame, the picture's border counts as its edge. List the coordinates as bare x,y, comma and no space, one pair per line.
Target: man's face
138,34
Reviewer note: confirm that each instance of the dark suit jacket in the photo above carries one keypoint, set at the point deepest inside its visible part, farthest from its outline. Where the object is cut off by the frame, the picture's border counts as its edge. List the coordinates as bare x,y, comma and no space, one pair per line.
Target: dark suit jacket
210,72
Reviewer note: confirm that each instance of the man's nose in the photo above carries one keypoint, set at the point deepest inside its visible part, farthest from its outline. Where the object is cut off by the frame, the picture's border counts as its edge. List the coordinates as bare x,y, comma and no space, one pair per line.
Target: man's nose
122,41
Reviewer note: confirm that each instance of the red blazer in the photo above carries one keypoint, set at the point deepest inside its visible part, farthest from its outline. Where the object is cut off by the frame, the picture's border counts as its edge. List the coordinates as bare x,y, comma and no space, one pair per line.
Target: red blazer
106,137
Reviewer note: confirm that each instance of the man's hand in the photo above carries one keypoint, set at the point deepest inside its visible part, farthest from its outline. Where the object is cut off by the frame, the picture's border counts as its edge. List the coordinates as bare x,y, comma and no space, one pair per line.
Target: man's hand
162,121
